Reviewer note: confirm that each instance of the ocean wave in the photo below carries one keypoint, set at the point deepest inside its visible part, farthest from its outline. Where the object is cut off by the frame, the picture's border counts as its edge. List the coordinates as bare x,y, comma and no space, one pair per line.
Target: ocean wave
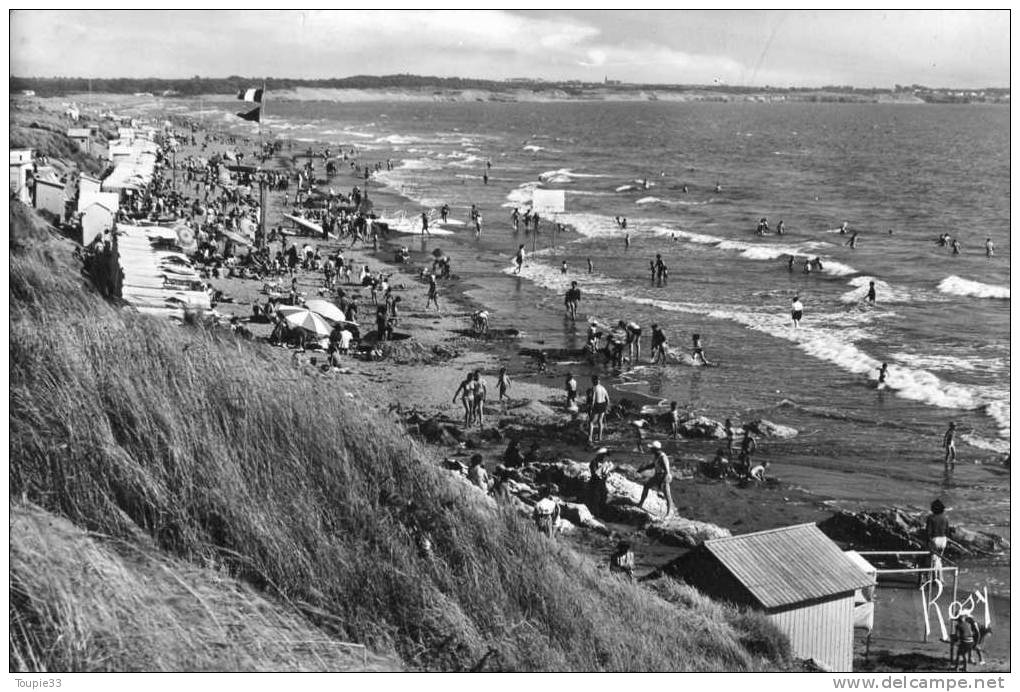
648,200
950,363
565,175
762,251
533,148
832,343
957,286
397,139
521,195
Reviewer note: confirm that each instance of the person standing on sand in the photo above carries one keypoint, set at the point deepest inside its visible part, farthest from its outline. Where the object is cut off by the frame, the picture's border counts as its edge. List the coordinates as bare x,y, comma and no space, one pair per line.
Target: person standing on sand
796,311
519,259
659,348
467,392
662,478
571,388
503,384
433,294
479,398
425,224
949,444
571,299
599,406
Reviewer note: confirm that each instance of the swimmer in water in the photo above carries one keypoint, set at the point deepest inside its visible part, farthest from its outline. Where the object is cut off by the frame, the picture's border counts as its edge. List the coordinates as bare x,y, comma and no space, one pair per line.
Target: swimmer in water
989,248
883,372
591,266
789,264
571,299
807,266
626,241
956,246
844,228
852,242
871,292
718,187
684,189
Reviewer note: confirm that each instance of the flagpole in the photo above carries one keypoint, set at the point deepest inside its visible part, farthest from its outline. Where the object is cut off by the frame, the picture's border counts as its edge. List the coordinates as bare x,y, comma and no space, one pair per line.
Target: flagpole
262,114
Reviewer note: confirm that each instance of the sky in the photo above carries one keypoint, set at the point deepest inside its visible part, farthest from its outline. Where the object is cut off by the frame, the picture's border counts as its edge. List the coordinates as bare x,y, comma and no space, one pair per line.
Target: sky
736,47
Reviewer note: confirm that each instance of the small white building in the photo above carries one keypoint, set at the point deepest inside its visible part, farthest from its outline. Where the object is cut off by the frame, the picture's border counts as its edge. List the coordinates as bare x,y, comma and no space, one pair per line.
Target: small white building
96,219
88,186
82,136
51,197
22,165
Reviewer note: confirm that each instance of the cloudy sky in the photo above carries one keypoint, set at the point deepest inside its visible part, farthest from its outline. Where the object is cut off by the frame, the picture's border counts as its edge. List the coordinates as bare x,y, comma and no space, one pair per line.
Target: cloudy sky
737,47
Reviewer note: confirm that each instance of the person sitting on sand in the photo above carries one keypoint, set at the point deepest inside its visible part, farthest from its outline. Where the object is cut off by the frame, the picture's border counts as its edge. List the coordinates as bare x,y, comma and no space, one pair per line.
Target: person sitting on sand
757,472
547,512
662,478
599,469
477,473
622,560
512,457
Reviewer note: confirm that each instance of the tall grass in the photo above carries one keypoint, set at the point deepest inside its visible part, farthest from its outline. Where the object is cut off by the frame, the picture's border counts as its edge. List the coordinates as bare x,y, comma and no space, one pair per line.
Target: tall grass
229,458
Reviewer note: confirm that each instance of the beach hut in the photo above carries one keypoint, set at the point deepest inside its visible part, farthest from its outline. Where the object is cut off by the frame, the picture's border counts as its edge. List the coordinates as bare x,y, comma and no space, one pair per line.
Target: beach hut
88,186
96,219
50,197
22,165
796,576
82,136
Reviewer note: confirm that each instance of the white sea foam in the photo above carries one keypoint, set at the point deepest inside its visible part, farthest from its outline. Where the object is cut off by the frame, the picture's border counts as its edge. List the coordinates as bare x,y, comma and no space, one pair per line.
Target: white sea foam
565,175
884,292
831,341
950,363
762,251
521,195
533,147
954,285
648,200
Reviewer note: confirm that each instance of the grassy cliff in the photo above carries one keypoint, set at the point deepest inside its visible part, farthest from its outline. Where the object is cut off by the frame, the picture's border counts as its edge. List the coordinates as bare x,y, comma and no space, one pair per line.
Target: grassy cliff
218,463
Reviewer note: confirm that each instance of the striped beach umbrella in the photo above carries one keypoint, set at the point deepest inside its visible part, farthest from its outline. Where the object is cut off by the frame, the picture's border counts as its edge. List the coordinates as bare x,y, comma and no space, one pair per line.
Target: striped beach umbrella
326,309
309,321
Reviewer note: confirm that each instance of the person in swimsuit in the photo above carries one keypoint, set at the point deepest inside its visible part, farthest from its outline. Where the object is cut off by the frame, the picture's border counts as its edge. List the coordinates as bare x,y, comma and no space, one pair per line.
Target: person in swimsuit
503,383
883,372
571,299
871,292
467,398
433,294
519,259
989,248
633,330
662,478
796,311
949,444
479,397
599,406
698,351
659,348
571,388
425,224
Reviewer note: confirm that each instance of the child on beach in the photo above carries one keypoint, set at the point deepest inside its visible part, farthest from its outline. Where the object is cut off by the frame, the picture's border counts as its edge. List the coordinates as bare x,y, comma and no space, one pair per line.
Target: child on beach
433,294
674,421
503,383
571,388
639,431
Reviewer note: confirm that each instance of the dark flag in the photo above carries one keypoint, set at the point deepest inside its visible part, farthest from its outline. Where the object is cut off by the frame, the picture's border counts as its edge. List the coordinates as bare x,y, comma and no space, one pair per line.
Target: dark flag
254,115
253,95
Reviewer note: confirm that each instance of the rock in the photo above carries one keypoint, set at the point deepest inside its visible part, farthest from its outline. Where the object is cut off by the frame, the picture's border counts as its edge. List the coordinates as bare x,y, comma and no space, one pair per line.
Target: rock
580,514
898,529
535,410
454,465
766,428
682,532
702,428
437,432
621,505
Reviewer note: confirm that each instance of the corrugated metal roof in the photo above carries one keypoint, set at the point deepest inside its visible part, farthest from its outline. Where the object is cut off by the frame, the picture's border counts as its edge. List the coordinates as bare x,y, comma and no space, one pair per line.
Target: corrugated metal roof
788,565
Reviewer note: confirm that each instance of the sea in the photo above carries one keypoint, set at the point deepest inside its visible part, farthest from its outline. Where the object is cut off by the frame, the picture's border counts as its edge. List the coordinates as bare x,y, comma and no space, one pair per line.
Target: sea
898,175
